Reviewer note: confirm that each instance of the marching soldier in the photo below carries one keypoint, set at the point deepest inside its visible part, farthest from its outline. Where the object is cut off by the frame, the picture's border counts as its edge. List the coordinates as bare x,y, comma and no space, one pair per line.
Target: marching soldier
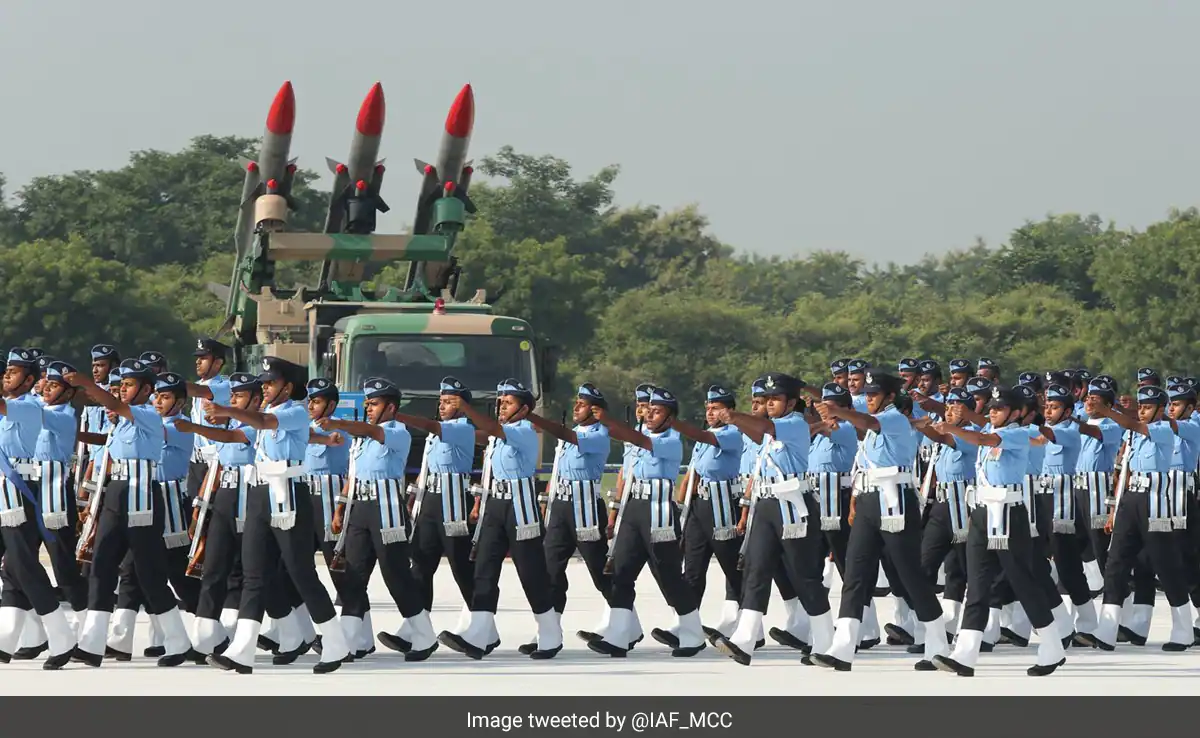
648,533
830,463
131,518
960,373
376,529
1000,539
1094,471
279,519
1143,520
509,523
1184,463
440,525
856,371
26,586
574,504
213,386
838,372
782,508
887,516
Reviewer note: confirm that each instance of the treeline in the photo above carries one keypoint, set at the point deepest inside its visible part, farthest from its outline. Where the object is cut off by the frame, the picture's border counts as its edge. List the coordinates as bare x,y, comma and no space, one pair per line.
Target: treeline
629,294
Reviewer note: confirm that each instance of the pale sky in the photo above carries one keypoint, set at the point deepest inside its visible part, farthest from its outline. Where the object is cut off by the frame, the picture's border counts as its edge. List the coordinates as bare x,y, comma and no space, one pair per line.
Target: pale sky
886,128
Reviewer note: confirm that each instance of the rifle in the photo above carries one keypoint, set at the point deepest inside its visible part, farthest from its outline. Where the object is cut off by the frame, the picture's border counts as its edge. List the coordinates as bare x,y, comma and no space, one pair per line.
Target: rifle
337,562
553,483
689,479
1122,482
87,536
199,531
626,486
81,471
485,482
418,488
755,478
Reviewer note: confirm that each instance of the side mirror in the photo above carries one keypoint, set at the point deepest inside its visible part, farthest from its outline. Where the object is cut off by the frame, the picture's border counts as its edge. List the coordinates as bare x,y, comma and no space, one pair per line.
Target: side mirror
550,355
329,365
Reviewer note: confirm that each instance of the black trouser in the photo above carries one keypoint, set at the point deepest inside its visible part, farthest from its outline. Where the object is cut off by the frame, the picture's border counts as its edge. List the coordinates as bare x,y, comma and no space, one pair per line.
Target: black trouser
499,539
187,589
562,542
115,538
26,585
221,574
339,579
364,547
61,550
1189,546
1066,549
197,470
633,549
1129,537
1017,562
903,549
938,548
430,543
699,548
1095,540
838,540
801,557
1042,574
265,548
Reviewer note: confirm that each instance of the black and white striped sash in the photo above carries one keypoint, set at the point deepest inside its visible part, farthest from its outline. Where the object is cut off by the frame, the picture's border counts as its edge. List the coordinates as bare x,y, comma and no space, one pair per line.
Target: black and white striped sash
581,495
1098,486
1183,487
659,492
954,494
329,487
453,488
238,478
1160,505
175,526
720,496
140,475
1062,487
12,503
523,493
390,494
54,494
827,487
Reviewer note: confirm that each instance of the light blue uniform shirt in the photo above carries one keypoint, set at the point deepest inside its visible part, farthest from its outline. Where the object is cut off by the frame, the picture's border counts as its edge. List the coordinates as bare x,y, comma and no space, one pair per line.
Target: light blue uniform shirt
1037,454
288,442
957,464
377,461
326,460
893,444
221,391
237,454
750,451
789,449
20,426
1008,463
1153,453
835,452
97,422
1187,445
56,440
662,461
719,463
1097,456
141,438
454,452
176,453
515,455
584,462
859,402
1063,452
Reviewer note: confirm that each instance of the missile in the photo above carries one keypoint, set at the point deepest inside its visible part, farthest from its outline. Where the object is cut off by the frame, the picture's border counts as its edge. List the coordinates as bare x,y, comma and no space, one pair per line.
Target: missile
270,174
355,198
451,165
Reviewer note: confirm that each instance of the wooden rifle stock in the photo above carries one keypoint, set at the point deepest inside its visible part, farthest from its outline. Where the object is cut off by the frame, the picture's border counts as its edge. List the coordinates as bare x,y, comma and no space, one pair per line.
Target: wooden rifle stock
198,531
86,547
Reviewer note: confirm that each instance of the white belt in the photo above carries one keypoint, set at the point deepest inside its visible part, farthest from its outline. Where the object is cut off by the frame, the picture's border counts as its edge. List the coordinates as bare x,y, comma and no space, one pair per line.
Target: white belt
265,472
878,476
786,488
1008,495
27,468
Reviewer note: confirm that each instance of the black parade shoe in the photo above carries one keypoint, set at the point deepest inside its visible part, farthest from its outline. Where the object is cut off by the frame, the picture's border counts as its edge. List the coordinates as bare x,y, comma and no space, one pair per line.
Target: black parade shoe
1127,635
412,656
1067,641
807,660
268,645
710,633
1089,639
115,655
785,638
897,636
54,663
31,652
916,649
154,652
491,647
665,637
227,664
177,659
924,665
945,663
455,642
604,648
588,636
327,667
362,653
986,647
1195,636
221,647
725,646
283,658
637,641
829,662
545,654
1013,639
760,643
1175,647
526,649
394,642
683,653
867,645
5,657
317,645
1039,670
80,656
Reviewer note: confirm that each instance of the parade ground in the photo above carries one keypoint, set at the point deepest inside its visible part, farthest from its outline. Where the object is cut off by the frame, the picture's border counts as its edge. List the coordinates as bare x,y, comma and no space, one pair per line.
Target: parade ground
648,670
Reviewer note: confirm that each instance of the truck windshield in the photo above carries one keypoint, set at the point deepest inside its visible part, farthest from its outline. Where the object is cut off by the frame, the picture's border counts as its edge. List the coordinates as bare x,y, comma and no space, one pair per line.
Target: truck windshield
418,362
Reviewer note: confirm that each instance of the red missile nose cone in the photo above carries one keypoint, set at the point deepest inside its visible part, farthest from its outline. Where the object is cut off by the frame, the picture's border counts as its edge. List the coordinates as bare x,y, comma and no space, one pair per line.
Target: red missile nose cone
291,168
252,166
461,119
272,184
468,170
341,168
282,117
429,169
379,169
449,187
370,115
360,185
